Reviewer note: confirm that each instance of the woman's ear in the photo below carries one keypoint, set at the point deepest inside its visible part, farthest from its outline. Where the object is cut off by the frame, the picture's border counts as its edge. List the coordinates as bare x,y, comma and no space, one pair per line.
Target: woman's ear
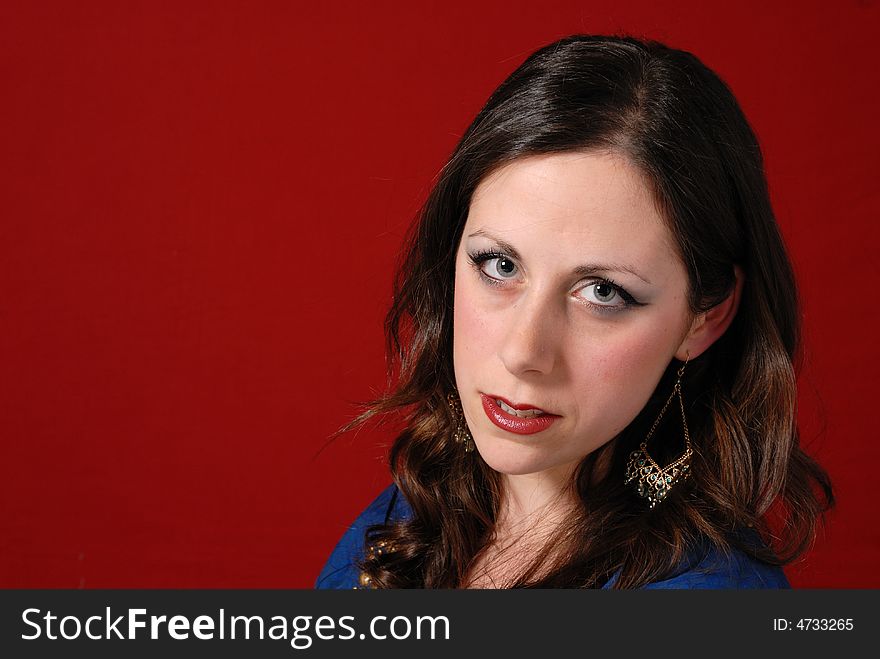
708,326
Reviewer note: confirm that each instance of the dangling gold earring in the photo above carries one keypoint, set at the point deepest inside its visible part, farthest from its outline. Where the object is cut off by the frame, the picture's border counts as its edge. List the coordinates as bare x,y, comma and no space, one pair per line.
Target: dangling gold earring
653,482
461,435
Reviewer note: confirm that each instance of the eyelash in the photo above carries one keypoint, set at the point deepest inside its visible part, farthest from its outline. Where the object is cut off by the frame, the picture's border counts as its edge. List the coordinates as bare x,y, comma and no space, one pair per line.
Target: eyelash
478,258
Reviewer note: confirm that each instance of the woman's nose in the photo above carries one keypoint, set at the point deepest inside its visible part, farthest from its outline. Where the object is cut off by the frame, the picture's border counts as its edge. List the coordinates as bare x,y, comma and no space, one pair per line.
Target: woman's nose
531,343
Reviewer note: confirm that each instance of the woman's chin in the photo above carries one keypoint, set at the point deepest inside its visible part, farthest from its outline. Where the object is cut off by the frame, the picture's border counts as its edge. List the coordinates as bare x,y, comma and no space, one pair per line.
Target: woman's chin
515,460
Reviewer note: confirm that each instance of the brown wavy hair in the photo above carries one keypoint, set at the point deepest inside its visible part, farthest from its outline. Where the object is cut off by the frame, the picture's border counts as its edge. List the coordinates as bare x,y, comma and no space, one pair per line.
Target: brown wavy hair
679,122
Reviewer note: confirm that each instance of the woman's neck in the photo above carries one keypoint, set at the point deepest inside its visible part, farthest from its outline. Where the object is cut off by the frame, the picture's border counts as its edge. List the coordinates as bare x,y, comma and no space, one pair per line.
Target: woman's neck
534,502
532,508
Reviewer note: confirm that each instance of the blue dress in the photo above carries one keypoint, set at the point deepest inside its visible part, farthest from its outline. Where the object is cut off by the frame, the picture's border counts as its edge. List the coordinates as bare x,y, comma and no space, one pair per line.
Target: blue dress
713,570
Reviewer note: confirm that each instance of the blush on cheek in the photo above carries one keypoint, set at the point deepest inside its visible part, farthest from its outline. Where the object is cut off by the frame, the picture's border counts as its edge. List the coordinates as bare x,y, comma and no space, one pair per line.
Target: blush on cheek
631,368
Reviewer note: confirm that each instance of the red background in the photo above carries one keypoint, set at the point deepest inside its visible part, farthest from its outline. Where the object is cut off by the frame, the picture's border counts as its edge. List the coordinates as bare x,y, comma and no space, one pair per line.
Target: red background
201,207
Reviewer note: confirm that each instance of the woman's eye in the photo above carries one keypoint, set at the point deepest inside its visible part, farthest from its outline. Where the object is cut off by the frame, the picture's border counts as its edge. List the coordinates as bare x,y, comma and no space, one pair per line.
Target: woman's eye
499,268
602,293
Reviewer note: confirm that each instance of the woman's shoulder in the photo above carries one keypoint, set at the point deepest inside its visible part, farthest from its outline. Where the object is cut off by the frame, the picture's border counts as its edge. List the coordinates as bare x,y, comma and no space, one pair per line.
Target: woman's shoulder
712,567
341,569
733,568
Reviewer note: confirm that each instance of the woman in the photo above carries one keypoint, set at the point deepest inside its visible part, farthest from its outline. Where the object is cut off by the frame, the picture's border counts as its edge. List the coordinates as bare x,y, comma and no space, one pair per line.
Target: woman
595,327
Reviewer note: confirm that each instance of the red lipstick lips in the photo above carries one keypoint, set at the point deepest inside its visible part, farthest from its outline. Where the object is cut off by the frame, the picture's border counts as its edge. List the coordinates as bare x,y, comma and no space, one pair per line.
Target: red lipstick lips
511,422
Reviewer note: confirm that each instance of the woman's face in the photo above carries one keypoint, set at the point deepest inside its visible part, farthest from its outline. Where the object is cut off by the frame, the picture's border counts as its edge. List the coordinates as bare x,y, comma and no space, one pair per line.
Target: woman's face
570,297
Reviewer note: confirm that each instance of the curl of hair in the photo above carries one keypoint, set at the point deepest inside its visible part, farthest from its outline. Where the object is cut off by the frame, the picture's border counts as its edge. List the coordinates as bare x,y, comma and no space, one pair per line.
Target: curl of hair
677,121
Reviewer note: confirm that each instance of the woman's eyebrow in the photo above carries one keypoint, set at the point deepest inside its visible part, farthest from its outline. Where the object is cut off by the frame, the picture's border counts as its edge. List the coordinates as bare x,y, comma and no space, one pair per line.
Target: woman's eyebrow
505,246
581,270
